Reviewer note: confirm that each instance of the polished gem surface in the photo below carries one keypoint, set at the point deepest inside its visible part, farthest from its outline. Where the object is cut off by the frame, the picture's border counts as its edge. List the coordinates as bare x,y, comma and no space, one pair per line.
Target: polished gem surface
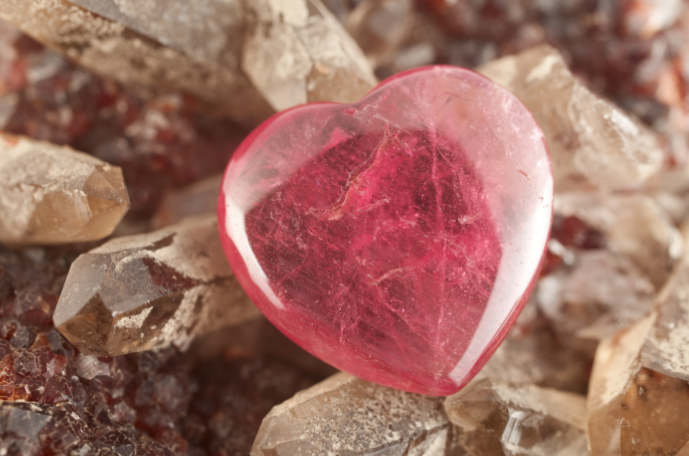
396,238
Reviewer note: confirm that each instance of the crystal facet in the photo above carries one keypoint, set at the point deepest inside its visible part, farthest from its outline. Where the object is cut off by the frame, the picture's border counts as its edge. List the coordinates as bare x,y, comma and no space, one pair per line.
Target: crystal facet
346,415
242,59
495,418
396,238
151,290
52,195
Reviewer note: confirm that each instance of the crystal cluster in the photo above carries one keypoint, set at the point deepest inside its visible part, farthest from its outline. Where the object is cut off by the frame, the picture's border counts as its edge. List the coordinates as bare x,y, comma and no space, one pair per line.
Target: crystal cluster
223,53
160,144
56,400
56,195
607,82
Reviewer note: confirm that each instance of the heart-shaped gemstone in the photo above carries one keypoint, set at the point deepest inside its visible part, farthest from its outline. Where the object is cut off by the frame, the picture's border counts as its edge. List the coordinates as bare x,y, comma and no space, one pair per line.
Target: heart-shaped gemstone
396,238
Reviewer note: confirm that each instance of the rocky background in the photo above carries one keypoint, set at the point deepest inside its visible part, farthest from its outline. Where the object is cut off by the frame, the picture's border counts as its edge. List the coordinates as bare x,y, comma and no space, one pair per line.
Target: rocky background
172,358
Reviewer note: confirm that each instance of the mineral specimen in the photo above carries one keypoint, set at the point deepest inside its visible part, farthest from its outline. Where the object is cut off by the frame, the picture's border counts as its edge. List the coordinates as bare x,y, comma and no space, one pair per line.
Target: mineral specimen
346,415
496,418
592,142
370,233
639,386
52,195
152,290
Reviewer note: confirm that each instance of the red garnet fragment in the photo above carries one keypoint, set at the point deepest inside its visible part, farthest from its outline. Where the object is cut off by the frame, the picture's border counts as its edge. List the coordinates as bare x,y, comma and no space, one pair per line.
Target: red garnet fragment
396,238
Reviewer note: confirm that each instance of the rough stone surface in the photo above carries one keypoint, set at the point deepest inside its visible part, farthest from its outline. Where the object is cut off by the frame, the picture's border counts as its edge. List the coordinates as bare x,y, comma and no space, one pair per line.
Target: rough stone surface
243,59
346,415
52,195
151,290
370,233
593,143
496,418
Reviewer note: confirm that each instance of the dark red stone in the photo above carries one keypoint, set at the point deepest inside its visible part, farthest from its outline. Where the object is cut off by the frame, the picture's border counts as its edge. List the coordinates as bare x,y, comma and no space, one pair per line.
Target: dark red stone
396,238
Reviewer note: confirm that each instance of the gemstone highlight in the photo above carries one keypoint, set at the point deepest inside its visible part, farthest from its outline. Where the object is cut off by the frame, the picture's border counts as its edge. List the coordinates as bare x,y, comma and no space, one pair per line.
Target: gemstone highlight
396,238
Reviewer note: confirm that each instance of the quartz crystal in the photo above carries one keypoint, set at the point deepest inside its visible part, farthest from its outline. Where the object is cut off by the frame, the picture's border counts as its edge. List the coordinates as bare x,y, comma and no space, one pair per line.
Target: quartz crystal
592,142
160,143
346,415
151,290
496,418
369,233
242,58
297,52
153,403
136,43
639,386
52,195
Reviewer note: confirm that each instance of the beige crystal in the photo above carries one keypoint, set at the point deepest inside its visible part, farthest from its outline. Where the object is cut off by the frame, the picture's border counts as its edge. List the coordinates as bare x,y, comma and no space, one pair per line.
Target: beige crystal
51,194
151,290
592,142
348,416
640,382
142,43
297,52
497,418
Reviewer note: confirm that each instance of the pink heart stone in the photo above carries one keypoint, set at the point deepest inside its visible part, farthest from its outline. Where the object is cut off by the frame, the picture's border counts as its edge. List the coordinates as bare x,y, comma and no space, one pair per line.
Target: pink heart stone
399,237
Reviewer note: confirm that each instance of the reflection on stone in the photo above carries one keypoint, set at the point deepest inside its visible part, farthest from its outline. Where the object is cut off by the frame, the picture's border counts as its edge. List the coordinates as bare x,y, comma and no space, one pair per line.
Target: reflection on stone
346,415
151,290
495,418
592,142
52,195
